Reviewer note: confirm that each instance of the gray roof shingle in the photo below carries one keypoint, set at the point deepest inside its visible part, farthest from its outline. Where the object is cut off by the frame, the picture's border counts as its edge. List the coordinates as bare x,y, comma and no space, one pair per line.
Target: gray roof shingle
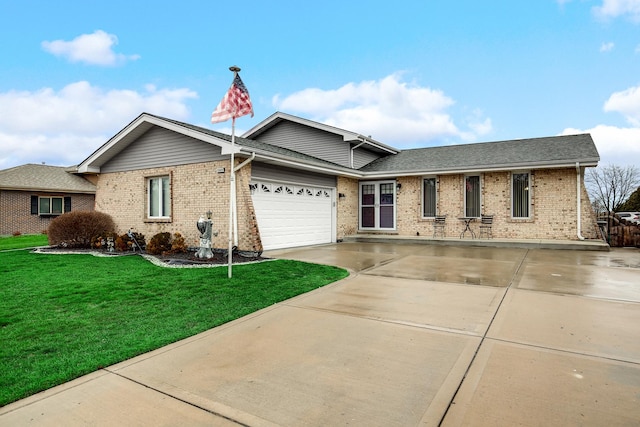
522,153
33,177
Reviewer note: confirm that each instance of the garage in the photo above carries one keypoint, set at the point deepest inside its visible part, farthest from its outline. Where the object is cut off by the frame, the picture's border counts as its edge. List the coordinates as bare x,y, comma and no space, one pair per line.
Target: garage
293,215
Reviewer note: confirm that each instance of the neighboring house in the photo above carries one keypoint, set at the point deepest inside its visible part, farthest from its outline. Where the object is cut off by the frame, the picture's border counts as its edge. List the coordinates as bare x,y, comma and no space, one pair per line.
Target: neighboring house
32,195
300,182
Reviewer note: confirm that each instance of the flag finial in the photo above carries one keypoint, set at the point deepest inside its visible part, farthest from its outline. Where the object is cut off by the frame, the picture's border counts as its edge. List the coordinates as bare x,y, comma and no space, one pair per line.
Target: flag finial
234,68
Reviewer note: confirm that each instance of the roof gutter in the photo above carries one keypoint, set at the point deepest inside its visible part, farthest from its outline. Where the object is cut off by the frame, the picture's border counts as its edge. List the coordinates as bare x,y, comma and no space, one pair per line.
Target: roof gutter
497,168
578,203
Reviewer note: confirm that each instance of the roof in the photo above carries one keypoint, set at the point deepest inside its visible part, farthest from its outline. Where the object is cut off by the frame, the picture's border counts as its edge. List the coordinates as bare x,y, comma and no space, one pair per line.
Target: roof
33,177
267,152
346,135
547,152
556,151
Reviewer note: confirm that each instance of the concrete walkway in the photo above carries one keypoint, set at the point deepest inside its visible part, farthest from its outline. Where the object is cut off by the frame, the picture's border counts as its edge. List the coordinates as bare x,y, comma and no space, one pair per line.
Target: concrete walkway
418,335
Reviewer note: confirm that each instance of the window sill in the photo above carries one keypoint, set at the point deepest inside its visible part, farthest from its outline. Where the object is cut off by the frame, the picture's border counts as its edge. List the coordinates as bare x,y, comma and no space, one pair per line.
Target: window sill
157,220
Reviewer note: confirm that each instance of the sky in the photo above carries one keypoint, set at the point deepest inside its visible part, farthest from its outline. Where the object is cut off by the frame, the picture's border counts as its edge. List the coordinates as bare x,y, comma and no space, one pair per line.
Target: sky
407,73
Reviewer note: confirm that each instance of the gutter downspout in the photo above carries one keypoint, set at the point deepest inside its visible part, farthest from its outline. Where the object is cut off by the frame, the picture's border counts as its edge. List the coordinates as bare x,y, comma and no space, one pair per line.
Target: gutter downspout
578,194
245,163
235,217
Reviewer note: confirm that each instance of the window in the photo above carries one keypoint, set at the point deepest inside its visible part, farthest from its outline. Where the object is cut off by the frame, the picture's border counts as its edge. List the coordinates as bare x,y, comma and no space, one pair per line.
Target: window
472,196
51,206
429,197
520,199
159,193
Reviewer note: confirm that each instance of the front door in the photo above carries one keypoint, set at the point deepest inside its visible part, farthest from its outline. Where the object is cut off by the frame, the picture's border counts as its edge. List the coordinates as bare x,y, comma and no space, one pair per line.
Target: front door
377,205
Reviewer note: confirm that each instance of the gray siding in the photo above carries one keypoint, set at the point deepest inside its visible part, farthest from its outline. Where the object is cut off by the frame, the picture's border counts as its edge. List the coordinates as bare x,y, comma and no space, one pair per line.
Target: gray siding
307,140
161,147
294,176
363,157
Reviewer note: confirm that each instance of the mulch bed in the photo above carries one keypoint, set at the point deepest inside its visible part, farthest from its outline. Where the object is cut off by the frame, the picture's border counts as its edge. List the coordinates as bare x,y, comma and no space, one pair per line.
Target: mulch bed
176,259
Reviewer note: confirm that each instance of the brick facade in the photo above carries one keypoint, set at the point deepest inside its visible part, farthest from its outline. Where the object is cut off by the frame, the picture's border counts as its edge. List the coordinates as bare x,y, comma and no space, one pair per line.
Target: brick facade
195,189
552,214
15,211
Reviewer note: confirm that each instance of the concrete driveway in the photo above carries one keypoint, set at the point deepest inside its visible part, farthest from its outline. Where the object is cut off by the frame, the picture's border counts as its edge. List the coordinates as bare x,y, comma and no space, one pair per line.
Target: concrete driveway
418,335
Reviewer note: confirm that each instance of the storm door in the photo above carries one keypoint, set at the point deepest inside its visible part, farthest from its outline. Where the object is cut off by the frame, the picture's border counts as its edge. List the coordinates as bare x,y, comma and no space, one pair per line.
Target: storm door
377,205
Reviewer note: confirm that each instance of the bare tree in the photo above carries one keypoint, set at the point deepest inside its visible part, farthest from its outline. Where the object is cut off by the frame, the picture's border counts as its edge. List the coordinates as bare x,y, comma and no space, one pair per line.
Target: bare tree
611,185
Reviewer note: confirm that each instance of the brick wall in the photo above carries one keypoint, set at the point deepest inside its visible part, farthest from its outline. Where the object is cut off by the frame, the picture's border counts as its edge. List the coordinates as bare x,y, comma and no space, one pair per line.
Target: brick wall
196,189
553,206
15,211
347,212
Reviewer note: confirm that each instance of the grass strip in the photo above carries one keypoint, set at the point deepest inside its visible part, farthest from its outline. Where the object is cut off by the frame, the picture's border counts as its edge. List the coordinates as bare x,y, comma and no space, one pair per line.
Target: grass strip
63,316
23,241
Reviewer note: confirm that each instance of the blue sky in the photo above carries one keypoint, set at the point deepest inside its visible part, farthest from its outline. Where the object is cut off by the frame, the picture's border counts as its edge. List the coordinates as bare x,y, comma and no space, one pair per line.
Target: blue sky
408,73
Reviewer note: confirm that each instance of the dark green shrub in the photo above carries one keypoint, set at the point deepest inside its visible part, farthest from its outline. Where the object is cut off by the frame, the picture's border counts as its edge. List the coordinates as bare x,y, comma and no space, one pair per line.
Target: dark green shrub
76,229
159,244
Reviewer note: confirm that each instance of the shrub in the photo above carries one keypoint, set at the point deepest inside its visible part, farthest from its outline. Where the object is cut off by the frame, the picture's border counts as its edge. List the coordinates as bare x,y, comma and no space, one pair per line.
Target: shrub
17,233
159,244
76,229
125,242
178,244
164,244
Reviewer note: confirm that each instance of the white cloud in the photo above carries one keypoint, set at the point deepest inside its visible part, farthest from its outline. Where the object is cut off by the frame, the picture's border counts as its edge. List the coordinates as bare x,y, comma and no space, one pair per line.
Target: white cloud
619,146
607,47
615,8
626,102
93,49
388,109
63,127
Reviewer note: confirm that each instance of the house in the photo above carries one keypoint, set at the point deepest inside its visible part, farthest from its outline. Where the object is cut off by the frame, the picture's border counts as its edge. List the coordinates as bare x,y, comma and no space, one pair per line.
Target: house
32,195
300,182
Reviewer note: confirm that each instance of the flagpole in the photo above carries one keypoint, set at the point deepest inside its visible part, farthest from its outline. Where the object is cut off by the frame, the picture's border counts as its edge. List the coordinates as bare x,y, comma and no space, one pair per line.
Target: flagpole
232,184
235,103
232,195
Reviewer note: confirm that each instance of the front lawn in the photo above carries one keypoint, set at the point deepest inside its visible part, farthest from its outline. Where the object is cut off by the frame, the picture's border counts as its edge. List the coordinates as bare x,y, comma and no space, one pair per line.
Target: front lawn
23,241
63,316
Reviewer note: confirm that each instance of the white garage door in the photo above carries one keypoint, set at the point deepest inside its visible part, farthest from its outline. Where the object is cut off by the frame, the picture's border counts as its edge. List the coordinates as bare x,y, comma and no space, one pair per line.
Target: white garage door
292,215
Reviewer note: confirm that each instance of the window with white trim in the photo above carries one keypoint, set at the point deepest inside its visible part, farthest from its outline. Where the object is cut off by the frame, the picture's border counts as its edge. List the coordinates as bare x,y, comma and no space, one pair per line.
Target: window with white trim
520,195
159,197
429,200
472,196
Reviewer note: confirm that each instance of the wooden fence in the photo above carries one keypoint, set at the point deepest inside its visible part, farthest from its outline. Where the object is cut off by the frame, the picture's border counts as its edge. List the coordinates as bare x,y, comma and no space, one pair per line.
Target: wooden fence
622,233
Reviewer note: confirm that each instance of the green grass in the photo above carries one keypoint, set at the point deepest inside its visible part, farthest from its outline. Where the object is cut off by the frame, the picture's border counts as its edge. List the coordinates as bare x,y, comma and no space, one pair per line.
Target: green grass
63,316
24,241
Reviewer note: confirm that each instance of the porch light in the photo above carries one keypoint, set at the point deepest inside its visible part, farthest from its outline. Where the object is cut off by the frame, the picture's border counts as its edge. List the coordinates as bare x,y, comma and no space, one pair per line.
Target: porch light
398,186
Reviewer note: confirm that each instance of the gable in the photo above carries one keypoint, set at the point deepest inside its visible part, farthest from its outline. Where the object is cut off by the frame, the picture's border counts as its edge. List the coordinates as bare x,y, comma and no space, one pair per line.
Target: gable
160,147
307,140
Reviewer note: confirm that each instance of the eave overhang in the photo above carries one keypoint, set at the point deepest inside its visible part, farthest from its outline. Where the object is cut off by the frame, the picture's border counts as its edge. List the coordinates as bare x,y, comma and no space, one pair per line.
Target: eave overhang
137,128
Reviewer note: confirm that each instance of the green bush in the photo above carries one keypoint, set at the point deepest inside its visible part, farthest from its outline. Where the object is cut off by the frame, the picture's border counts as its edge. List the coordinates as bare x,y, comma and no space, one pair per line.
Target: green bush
76,229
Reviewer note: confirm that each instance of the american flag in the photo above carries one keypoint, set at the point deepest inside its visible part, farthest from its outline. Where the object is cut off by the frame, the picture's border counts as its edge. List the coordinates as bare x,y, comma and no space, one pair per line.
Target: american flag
236,103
